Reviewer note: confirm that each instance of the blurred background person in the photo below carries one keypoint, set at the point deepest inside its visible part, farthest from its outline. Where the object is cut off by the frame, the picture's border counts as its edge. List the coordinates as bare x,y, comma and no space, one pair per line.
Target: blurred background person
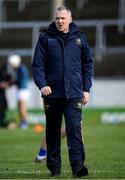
23,93
6,80
42,153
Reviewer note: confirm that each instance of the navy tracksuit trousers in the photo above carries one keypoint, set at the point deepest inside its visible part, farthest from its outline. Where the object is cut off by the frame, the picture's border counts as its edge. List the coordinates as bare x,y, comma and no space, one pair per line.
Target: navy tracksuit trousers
72,111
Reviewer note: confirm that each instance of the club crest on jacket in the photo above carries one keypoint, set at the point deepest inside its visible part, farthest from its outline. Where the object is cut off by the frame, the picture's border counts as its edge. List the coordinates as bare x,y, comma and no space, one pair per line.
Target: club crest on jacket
78,41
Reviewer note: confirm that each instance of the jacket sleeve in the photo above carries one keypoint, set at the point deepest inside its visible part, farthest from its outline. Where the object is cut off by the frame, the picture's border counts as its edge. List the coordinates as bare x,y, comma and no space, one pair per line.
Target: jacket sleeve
87,65
38,64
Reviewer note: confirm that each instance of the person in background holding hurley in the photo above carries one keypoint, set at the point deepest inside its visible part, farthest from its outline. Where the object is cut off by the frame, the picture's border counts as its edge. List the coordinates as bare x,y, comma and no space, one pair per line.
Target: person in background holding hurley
21,82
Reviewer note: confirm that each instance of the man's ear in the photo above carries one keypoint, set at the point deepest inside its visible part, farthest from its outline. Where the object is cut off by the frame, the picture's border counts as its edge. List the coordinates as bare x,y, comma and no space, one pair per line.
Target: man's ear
70,19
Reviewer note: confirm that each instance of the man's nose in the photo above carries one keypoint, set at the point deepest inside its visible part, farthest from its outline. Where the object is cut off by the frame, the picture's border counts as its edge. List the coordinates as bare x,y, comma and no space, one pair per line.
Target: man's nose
60,20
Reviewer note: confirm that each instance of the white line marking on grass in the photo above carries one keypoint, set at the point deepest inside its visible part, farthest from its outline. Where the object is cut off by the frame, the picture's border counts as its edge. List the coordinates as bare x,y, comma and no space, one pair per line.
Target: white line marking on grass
107,171
31,172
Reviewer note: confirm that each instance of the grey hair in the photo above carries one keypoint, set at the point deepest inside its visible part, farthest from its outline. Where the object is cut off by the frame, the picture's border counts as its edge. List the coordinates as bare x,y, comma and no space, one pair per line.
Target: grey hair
63,8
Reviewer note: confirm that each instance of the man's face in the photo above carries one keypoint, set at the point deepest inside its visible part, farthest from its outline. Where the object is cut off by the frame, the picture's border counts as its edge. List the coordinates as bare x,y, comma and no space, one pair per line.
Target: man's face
62,21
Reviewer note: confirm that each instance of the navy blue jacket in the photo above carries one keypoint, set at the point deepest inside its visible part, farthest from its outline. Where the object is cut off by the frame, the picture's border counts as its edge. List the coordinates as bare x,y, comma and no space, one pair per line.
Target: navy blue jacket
65,67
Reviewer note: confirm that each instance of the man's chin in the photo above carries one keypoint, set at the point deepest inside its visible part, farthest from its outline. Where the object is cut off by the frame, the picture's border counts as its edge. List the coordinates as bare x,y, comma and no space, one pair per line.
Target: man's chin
60,29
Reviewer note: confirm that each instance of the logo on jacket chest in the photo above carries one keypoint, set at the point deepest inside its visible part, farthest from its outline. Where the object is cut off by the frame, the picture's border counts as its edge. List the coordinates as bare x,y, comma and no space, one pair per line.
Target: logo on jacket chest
78,42
52,40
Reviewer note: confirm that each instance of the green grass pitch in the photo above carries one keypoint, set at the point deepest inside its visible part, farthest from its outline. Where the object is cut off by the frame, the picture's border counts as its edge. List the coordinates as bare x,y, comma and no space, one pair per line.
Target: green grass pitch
104,145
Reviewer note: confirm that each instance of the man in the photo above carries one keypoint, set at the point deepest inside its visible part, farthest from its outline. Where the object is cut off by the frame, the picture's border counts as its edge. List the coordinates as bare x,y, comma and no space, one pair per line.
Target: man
62,70
21,82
